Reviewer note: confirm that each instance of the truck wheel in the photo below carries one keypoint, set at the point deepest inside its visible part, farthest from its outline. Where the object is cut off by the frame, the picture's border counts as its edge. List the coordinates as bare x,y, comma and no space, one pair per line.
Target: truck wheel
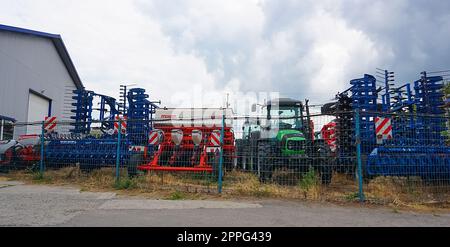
135,160
265,161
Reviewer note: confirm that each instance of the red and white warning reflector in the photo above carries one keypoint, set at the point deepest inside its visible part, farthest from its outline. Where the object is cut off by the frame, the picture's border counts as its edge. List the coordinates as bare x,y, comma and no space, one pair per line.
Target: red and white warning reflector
156,136
123,123
50,124
215,138
383,129
214,142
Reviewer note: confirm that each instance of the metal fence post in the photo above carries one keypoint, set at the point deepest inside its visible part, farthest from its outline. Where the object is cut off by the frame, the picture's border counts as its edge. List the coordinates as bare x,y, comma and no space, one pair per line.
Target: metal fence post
42,139
358,156
119,135
219,182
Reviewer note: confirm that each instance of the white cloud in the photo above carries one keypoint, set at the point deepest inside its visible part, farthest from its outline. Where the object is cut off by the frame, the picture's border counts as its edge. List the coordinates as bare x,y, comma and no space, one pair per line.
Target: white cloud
340,52
177,48
112,43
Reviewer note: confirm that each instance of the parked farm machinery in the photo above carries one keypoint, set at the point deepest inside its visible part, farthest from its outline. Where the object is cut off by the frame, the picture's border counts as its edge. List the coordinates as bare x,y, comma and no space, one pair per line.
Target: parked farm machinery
91,149
145,143
401,133
283,139
400,136
190,140
20,153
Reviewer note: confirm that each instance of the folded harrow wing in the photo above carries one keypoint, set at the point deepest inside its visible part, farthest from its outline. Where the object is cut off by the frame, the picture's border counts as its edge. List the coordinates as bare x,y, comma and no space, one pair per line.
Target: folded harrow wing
402,136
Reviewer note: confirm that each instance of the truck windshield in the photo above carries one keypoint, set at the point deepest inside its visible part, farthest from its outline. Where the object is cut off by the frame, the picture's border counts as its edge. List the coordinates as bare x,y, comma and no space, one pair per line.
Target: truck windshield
277,116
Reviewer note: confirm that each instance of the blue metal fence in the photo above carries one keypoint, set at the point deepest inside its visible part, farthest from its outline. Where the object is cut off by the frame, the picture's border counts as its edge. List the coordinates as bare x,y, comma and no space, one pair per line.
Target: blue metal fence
416,151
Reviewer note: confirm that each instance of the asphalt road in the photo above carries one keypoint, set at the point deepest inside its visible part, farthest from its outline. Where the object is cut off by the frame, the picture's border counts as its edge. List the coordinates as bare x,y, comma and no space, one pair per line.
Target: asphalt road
38,205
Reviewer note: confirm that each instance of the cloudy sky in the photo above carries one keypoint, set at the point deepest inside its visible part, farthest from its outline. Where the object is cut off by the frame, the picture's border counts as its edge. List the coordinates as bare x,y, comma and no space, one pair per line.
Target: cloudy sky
180,49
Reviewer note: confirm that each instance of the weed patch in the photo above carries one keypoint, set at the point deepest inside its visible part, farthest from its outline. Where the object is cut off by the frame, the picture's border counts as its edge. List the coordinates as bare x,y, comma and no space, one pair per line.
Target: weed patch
176,195
125,184
397,192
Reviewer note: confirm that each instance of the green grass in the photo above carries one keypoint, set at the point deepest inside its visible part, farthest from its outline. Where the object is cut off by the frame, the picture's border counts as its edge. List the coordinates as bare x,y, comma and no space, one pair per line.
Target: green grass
309,180
352,196
176,195
263,192
41,177
125,183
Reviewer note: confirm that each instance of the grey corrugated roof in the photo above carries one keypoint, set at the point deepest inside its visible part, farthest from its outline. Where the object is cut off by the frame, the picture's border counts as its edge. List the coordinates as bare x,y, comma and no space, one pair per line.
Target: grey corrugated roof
59,45
7,118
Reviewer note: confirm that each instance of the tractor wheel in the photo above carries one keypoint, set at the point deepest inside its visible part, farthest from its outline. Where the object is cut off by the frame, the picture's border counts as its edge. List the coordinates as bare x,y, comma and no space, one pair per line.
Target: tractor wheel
325,164
265,161
238,147
242,155
245,163
135,160
244,158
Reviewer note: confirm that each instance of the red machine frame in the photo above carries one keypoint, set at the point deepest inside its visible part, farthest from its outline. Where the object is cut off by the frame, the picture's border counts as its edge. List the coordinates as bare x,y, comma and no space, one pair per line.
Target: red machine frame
205,150
22,153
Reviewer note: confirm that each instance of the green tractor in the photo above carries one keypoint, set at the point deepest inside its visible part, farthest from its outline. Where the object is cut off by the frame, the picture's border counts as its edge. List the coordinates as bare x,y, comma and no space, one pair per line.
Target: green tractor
283,140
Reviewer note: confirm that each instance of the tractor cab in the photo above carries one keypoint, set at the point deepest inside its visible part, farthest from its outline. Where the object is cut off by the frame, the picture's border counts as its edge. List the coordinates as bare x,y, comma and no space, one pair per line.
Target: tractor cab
281,116
285,113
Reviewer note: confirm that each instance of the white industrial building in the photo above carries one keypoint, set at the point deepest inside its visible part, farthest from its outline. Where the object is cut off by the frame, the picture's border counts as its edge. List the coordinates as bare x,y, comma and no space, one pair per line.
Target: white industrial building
36,78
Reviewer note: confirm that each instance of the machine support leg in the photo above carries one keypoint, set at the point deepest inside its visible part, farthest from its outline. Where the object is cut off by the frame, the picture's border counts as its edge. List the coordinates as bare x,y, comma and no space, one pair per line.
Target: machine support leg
358,157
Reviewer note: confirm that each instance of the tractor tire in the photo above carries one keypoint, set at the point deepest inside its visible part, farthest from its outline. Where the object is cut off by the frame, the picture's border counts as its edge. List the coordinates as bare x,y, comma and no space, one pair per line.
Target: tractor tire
265,161
244,156
135,160
240,155
325,165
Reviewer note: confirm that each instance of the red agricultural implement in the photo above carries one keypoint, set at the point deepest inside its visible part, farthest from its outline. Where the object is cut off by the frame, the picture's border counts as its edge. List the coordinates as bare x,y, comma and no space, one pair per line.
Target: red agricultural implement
193,149
188,147
19,154
328,132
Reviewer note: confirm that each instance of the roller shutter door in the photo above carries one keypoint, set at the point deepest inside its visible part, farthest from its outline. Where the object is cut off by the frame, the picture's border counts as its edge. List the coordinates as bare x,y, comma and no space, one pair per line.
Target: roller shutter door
38,108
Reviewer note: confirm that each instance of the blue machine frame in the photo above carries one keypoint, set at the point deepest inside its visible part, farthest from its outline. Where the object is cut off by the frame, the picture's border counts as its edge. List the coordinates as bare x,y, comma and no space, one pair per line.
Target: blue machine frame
94,152
418,145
